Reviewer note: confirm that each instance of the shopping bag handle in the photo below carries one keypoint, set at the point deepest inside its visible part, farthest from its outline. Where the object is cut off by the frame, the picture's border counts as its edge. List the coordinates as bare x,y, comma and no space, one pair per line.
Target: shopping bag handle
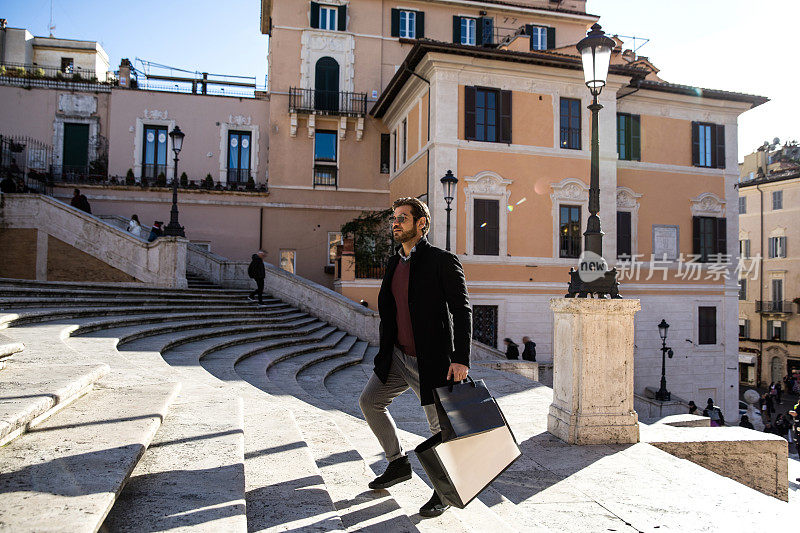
465,380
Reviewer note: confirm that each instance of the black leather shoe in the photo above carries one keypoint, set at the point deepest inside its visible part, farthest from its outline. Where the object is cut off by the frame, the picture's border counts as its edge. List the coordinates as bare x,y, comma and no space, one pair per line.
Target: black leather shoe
396,472
434,507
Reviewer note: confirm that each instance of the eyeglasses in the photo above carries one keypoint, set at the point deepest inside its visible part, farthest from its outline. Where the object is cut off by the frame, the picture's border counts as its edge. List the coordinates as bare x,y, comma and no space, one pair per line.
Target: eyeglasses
401,219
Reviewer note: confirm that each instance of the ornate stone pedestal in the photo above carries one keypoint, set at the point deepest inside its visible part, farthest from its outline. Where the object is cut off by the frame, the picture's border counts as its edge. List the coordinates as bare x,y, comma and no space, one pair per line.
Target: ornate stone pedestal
593,371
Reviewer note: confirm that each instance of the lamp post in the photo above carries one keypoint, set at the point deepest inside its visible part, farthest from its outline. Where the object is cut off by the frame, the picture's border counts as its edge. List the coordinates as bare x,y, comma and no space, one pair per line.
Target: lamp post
449,182
174,229
663,394
595,51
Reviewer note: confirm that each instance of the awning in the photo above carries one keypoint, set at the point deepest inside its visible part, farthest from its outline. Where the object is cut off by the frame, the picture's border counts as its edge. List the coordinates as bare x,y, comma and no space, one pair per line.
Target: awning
747,359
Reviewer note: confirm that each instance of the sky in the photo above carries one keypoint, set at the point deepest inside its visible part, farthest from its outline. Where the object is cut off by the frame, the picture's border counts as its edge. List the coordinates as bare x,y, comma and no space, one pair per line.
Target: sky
734,45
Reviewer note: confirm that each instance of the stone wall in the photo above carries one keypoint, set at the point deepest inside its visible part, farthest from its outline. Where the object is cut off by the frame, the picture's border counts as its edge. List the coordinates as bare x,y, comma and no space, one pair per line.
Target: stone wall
66,263
18,259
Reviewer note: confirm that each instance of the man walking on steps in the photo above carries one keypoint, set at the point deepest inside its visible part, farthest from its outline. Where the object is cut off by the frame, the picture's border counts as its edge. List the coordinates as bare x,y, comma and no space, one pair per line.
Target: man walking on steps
258,273
425,335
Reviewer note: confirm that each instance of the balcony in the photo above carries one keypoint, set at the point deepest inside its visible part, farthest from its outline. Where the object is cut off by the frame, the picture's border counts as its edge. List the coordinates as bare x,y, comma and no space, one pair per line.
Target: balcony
311,101
238,175
774,307
31,75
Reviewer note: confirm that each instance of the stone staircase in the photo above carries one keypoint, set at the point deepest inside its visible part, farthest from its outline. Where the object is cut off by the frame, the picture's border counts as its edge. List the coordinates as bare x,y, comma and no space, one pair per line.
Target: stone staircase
142,409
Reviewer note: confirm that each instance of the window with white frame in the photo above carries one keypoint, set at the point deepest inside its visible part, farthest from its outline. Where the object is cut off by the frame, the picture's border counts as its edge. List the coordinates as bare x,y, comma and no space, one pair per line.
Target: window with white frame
777,247
288,260
334,239
408,24
327,18
776,330
777,200
538,37
742,205
468,30
744,247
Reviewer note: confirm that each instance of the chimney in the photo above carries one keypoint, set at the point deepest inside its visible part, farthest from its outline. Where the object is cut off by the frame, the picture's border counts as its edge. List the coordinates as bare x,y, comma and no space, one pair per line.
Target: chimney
125,68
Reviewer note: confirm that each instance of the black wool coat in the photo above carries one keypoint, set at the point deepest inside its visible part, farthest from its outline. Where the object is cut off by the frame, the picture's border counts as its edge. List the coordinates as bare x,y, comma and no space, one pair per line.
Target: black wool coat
440,316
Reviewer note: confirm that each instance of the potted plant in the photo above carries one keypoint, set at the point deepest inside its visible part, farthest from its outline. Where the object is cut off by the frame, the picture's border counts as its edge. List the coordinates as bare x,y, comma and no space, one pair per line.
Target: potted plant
208,182
161,180
184,180
130,179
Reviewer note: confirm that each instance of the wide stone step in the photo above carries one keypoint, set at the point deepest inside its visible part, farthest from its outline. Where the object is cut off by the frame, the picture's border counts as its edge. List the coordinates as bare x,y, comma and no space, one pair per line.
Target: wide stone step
66,474
82,301
312,377
8,347
8,286
343,470
88,326
192,475
31,393
129,333
46,315
284,370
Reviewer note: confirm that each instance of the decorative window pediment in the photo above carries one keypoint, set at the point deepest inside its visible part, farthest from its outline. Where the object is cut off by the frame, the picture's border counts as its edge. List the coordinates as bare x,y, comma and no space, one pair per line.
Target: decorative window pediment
708,204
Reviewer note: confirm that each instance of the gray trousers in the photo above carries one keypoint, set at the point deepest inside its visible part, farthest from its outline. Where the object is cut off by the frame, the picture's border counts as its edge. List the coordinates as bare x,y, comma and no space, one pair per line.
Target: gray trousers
377,396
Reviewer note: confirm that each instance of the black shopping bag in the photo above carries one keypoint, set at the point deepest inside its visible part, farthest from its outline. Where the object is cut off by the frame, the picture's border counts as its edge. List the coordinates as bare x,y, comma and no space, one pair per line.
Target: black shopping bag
466,408
460,469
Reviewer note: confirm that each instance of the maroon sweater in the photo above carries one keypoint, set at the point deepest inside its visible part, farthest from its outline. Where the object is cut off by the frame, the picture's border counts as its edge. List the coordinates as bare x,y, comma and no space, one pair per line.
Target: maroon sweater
405,334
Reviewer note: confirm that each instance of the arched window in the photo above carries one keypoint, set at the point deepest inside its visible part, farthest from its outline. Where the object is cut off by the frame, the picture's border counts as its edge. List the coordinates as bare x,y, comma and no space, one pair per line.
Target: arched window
326,85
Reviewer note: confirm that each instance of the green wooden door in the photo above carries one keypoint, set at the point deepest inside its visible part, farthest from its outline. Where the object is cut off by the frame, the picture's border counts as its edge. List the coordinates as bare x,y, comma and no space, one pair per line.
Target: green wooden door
76,146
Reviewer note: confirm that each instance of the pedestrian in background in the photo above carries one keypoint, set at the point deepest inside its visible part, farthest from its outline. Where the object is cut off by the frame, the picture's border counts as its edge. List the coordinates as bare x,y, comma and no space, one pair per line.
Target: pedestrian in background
512,349
135,227
714,413
692,407
155,231
79,201
529,351
257,271
745,422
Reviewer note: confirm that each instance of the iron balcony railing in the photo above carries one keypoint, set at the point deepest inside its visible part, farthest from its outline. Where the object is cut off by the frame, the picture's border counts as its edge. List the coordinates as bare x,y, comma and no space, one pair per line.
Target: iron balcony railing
327,102
774,306
238,175
325,175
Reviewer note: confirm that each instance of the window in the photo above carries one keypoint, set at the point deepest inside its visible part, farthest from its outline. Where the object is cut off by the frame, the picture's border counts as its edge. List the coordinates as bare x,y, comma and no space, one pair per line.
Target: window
408,24
542,37
709,239
238,156
328,17
707,327
468,30
742,205
325,170
743,289
288,260
394,147
154,154
776,330
777,200
777,247
708,145
334,239
569,232
385,152
744,328
484,324
571,123
487,115
624,234
744,248
67,65
486,221
404,141
628,137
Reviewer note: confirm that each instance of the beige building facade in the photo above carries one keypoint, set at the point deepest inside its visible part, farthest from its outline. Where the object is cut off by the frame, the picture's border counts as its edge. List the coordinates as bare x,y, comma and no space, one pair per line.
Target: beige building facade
769,333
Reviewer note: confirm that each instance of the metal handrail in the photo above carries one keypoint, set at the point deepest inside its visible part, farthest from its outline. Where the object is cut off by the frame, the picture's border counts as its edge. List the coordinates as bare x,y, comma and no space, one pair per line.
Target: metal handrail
774,306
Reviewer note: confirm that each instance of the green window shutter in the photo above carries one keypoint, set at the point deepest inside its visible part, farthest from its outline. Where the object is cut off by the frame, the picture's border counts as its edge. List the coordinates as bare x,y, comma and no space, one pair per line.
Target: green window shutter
395,23
342,22
505,116
551,38
695,144
469,113
456,29
696,235
636,139
420,25
721,236
720,146
314,15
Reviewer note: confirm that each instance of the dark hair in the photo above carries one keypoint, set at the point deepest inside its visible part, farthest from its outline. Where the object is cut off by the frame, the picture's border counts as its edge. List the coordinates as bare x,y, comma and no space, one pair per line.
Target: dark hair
418,210
134,217
76,191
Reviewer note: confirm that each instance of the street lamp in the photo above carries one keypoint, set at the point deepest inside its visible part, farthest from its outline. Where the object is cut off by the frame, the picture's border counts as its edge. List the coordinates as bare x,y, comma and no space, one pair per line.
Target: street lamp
449,182
663,394
595,51
174,229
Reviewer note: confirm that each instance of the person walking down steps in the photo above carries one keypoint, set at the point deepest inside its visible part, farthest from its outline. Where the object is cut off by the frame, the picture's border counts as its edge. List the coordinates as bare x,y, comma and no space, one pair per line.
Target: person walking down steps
425,334
257,271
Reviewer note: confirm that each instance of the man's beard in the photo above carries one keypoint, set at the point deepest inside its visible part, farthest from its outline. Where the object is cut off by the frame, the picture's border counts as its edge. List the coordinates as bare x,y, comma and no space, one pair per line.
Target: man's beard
405,236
